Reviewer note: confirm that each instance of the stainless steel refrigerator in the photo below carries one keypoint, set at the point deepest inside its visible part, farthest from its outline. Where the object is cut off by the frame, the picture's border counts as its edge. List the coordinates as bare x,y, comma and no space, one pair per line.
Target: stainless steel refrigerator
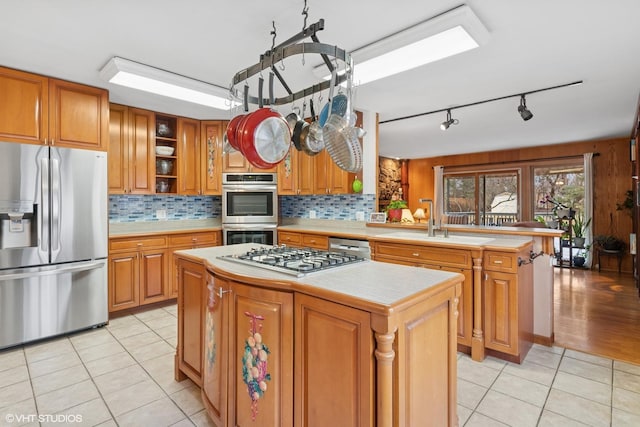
53,241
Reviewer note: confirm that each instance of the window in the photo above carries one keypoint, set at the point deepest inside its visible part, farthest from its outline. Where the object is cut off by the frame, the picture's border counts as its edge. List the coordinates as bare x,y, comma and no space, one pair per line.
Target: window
563,183
485,198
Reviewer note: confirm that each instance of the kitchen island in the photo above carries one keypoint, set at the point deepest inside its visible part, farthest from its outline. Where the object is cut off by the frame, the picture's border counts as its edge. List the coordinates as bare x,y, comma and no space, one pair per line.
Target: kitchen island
369,343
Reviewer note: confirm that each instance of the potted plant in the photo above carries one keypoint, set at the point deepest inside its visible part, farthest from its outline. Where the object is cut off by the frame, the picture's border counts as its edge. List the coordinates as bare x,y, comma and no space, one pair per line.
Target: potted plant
627,204
579,228
394,210
580,257
609,242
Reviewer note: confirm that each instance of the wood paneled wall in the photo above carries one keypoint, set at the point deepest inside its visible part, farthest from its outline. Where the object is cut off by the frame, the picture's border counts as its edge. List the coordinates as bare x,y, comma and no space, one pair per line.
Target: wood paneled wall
612,178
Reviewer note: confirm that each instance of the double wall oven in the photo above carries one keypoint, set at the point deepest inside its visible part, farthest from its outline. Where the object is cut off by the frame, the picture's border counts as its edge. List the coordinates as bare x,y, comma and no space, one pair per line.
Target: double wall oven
249,208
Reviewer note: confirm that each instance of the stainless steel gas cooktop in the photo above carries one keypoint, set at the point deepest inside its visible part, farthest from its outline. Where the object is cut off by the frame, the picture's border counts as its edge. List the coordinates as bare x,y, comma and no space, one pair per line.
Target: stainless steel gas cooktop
294,261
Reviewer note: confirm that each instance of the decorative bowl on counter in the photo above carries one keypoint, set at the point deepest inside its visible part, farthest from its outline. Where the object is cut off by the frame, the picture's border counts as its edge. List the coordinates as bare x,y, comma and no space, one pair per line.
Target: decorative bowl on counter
162,186
164,167
164,150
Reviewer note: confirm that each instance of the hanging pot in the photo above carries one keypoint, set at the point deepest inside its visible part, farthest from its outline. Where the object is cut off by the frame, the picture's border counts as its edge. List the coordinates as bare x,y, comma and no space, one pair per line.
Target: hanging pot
264,138
292,118
313,143
232,129
300,130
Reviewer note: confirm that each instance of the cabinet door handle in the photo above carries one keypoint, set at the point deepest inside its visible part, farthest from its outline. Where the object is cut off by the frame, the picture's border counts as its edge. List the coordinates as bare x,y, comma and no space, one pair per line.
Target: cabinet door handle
221,292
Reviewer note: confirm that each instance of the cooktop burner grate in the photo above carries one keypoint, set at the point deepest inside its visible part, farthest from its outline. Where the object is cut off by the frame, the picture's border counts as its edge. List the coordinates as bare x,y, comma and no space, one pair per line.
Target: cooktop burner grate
294,261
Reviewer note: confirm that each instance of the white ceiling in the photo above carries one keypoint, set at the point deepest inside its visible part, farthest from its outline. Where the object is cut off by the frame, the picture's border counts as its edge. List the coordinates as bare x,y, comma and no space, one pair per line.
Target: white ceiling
532,45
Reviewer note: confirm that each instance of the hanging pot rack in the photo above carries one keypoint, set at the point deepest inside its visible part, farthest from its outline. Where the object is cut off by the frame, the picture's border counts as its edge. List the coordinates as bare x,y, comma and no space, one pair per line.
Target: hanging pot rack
330,54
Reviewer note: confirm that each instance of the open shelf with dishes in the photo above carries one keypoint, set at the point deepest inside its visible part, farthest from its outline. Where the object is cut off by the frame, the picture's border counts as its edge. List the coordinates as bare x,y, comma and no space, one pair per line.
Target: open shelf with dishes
166,154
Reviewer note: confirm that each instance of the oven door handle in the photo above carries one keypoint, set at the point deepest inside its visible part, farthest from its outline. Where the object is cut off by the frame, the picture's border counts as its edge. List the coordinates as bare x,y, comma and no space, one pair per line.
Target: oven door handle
249,227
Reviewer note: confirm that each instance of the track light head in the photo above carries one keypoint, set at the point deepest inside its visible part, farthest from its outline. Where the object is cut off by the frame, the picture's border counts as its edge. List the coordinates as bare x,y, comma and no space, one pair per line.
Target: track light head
525,113
445,125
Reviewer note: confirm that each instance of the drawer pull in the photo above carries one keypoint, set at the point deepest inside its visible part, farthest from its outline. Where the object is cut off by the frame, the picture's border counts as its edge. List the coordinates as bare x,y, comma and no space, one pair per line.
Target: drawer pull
416,254
497,262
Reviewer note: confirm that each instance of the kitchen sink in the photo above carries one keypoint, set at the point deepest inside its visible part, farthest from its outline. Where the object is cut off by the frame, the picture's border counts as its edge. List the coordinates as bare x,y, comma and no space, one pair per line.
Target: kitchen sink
423,237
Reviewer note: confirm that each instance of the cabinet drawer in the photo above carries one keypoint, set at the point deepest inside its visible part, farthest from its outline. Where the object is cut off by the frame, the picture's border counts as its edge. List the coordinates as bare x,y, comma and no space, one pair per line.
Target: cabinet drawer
315,241
139,243
208,238
288,238
425,254
500,261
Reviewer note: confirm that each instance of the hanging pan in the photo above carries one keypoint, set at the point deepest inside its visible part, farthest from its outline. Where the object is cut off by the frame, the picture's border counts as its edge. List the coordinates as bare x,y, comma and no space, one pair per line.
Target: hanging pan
264,137
341,139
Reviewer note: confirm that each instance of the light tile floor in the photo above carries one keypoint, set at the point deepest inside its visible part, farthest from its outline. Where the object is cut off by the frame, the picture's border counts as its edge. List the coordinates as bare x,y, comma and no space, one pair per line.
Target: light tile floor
122,375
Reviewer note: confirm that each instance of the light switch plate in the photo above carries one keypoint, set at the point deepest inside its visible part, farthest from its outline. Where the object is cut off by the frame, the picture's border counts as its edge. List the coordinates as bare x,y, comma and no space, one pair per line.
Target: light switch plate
312,214
161,213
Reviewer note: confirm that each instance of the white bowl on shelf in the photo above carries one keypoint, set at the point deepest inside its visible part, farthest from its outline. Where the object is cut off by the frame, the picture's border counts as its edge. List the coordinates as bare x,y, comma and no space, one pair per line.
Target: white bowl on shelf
164,150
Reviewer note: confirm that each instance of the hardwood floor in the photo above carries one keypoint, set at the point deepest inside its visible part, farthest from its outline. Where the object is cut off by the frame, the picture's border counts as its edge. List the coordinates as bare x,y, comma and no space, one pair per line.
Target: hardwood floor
597,313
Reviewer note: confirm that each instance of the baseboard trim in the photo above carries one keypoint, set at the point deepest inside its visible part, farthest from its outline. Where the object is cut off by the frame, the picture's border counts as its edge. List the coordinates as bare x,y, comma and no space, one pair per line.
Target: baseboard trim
542,340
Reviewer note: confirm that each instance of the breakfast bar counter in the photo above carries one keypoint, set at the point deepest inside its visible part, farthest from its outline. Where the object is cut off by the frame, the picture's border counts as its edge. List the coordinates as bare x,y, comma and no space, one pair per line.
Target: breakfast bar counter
367,343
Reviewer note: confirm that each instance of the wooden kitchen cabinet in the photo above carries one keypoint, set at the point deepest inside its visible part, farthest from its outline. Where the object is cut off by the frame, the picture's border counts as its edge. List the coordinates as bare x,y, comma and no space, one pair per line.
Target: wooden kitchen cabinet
329,178
303,240
334,373
192,300
138,271
40,110
437,258
248,355
295,174
508,304
211,133
189,241
78,115
234,161
131,150
188,152
24,110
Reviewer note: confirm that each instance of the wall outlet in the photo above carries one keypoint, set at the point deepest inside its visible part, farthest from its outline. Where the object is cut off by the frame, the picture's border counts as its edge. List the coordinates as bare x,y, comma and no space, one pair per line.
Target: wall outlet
161,213
312,214
360,216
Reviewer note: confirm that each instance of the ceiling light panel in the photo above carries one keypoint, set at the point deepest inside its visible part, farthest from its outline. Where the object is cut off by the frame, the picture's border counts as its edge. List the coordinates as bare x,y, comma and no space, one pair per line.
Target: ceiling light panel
442,36
132,74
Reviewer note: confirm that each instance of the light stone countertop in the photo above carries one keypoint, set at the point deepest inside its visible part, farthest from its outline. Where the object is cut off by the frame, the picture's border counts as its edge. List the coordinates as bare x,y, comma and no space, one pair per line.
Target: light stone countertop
360,231
375,284
150,227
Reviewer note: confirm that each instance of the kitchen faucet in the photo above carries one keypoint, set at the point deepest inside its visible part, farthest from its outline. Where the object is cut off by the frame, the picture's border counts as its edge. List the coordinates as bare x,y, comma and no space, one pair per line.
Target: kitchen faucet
430,230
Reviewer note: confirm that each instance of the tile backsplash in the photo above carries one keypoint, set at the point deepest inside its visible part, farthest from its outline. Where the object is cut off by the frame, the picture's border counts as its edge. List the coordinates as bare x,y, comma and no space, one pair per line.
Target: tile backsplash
144,207
342,206
125,208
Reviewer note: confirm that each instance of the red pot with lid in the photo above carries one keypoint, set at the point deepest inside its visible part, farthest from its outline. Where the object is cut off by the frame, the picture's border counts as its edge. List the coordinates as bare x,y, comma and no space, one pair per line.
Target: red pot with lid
264,138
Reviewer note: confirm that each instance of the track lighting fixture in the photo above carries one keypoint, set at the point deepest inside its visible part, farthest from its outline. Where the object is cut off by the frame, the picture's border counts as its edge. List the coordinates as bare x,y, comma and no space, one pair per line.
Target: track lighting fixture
445,125
525,113
523,110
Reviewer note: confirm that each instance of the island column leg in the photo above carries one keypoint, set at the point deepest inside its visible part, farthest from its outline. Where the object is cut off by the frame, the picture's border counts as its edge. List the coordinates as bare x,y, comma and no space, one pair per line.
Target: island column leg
477,340
384,357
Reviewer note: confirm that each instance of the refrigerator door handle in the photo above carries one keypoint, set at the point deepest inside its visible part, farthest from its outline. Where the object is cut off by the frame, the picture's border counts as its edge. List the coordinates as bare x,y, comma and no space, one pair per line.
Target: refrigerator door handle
92,265
43,227
55,208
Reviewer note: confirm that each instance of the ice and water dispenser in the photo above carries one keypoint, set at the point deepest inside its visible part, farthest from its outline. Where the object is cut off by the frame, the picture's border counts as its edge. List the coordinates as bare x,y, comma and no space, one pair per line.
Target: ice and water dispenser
18,225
